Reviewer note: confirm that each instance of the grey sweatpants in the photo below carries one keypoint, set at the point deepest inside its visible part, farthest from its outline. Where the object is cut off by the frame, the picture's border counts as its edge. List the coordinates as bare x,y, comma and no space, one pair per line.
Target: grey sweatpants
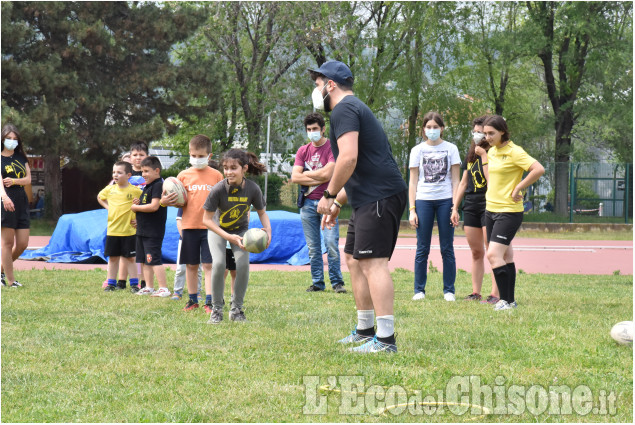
218,246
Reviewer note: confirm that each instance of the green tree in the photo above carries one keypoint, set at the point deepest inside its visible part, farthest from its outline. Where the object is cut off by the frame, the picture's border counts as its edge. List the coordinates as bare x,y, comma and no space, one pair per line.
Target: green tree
568,36
82,80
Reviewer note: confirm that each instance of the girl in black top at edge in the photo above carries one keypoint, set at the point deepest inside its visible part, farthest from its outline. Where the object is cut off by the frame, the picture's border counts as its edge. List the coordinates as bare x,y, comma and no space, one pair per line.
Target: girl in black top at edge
474,185
15,204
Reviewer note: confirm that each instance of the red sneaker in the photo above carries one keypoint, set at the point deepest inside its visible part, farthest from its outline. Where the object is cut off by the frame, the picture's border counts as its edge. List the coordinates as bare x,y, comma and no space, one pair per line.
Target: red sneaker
208,308
473,297
490,300
190,306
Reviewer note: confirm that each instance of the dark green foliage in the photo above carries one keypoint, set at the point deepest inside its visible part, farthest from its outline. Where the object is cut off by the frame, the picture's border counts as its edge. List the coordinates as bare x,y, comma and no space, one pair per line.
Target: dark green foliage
274,186
83,80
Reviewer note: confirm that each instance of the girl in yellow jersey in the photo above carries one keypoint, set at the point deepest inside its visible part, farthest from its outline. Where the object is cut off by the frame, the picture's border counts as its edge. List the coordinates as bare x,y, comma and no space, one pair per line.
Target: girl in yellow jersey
506,163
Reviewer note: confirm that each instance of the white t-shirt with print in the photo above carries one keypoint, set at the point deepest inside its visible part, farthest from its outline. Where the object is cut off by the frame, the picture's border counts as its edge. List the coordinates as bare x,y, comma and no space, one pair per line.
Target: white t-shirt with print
434,163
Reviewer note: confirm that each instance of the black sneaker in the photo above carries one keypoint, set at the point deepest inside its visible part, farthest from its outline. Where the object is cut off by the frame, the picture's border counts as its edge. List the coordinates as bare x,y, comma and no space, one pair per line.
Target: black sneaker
314,288
4,279
339,288
15,284
110,288
134,289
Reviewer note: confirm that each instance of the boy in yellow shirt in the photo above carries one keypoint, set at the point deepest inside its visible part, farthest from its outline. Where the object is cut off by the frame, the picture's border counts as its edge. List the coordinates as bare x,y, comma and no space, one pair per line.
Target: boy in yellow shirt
120,235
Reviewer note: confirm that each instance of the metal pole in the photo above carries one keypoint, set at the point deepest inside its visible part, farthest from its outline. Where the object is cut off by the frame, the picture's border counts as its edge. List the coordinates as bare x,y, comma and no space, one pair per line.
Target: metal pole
267,172
627,180
571,192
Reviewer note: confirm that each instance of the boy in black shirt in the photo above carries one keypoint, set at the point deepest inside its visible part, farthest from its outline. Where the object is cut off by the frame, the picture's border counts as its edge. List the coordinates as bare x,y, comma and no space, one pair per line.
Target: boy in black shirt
151,218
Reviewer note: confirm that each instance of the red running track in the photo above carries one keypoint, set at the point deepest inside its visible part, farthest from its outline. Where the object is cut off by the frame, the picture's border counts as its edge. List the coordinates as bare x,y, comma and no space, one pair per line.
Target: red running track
547,256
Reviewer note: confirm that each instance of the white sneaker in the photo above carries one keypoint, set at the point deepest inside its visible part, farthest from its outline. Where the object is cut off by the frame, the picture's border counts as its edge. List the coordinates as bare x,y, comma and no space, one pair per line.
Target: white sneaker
419,296
502,305
146,291
161,292
449,296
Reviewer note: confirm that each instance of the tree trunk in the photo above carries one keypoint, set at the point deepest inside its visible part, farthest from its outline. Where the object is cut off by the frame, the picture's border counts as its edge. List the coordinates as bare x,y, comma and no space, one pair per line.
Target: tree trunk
53,185
564,125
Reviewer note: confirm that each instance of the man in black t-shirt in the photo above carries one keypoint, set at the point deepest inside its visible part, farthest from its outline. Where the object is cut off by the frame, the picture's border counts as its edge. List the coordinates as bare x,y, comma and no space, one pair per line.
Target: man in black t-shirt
366,175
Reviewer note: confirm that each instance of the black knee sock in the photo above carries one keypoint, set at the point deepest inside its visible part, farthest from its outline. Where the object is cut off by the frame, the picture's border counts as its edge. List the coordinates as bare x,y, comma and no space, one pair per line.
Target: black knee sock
511,270
388,340
501,274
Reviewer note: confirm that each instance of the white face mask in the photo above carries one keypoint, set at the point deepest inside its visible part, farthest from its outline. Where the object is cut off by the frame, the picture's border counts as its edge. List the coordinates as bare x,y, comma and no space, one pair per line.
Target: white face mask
477,137
314,136
319,100
10,144
199,163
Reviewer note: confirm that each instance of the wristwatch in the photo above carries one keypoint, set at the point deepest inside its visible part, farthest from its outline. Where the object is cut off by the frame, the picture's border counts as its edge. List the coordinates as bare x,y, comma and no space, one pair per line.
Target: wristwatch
328,195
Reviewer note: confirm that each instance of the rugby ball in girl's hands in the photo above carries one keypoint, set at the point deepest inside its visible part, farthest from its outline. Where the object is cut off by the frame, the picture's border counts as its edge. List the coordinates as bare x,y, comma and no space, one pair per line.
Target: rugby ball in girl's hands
255,240
174,185
623,332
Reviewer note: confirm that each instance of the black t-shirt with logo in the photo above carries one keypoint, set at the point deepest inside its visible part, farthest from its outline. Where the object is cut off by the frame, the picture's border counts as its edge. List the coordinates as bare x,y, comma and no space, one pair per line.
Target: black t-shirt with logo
14,167
376,175
152,224
476,182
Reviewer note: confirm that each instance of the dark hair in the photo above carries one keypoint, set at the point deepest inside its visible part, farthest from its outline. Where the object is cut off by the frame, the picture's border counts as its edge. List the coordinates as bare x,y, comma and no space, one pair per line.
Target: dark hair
471,153
431,116
314,118
499,124
479,121
214,164
347,86
152,162
254,166
126,166
200,141
139,146
10,128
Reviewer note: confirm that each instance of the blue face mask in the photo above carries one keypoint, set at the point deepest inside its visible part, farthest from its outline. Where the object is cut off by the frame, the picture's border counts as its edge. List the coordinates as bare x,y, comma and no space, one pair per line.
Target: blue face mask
314,136
433,133
10,144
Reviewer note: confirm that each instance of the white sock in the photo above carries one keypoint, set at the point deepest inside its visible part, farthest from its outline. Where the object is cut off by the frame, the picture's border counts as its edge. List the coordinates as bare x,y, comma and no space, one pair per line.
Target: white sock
385,326
365,319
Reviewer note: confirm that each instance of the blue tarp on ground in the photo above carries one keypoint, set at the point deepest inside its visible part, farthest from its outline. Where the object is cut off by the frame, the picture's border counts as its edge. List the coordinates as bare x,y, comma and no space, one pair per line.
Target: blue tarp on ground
80,238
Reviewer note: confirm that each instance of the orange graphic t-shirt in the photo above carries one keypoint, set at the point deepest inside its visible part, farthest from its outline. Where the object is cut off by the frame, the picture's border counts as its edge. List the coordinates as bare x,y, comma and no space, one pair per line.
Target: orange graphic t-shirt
198,183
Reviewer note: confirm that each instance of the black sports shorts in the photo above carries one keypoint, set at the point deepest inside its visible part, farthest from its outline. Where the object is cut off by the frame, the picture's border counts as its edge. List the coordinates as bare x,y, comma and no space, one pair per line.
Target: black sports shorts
373,228
502,227
194,247
20,217
474,211
149,250
120,246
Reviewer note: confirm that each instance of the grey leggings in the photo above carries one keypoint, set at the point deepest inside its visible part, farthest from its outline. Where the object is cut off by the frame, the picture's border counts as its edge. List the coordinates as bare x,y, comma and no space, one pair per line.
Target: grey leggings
217,246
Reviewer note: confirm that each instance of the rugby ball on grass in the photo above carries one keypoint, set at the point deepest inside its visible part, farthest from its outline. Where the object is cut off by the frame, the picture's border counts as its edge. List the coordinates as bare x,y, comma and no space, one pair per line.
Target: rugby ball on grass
255,240
623,332
174,185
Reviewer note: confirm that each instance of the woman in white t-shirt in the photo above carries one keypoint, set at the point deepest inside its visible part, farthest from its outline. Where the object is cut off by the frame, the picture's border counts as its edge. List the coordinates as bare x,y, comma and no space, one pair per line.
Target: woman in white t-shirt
434,179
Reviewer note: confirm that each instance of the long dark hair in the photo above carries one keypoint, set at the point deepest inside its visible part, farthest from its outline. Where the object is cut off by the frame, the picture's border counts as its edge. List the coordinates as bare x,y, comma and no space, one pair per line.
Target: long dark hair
10,128
254,166
471,153
499,124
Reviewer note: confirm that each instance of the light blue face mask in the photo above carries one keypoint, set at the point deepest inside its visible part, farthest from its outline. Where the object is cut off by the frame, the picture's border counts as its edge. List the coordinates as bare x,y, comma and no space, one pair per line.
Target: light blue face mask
314,136
10,144
433,133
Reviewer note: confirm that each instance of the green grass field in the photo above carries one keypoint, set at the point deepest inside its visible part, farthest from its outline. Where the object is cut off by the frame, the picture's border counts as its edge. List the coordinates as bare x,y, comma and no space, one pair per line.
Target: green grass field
72,353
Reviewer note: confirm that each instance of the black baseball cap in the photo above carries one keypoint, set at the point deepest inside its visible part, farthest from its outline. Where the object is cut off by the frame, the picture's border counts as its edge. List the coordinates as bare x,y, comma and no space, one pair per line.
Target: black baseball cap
334,70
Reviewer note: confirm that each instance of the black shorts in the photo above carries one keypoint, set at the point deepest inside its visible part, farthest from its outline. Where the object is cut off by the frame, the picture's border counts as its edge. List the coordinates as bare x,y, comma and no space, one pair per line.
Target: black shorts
230,261
502,227
194,247
373,228
474,211
149,250
20,217
120,246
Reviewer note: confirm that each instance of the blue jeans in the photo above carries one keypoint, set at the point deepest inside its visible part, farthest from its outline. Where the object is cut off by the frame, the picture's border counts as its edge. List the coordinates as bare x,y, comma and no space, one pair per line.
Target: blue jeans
311,227
426,211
